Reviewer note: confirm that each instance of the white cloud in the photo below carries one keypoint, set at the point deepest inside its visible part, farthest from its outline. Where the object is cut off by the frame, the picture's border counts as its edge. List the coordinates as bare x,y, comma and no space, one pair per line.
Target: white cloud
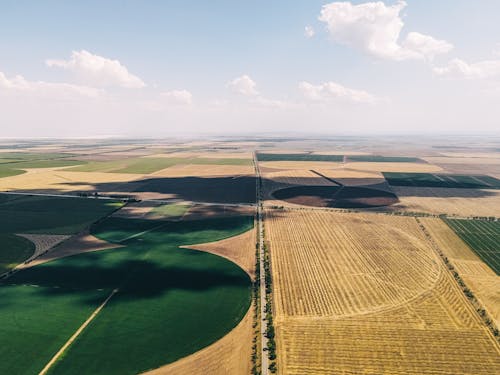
375,29
182,97
457,68
243,85
97,70
19,85
309,32
334,91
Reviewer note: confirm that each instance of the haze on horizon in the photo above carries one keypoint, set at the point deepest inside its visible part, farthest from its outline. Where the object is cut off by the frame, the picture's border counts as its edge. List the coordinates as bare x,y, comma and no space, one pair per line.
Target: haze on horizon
146,68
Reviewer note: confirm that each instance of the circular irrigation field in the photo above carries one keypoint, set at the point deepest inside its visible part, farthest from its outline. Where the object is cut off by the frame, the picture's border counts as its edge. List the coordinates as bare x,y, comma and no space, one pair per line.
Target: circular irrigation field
170,302
336,196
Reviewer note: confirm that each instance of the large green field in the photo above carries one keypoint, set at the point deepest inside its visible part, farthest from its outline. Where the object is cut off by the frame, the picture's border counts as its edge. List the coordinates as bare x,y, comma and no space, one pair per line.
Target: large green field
50,215
147,165
171,302
482,236
442,180
14,163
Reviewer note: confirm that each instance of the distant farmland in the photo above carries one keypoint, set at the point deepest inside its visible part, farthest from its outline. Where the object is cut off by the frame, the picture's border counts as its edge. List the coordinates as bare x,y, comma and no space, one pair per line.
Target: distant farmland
442,180
482,236
383,159
299,157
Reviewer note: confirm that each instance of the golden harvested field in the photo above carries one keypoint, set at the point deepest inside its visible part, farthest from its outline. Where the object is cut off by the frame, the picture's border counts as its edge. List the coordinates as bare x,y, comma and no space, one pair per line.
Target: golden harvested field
183,170
461,202
483,281
298,164
393,167
238,249
367,294
352,177
57,179
210,155
228,356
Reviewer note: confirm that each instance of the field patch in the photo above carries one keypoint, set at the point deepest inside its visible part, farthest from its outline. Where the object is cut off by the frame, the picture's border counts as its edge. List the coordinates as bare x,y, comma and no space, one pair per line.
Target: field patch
263,157
482,236
14,250
164,293
393,167
52,215
367,293
442,180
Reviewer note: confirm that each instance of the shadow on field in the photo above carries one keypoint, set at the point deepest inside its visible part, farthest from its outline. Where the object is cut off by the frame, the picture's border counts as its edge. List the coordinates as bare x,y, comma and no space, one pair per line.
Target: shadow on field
135,279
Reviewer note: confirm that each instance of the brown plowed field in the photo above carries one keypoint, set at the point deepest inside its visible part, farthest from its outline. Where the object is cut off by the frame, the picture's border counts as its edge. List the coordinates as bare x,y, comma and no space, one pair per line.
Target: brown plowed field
367,294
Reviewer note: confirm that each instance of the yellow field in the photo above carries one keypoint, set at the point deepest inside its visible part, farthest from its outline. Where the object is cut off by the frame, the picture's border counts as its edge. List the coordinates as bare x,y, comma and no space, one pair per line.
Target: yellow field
228,356
462,202
483,281
58,179
367,294
298,164
238,249
183,170
393,167
352,177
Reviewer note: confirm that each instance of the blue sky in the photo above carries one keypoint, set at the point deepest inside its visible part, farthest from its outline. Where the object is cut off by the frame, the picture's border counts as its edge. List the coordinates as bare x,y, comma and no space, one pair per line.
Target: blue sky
189,57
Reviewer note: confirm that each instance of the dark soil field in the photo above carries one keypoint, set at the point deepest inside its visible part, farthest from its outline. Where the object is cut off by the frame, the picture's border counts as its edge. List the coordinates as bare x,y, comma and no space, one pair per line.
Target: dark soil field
442,180
335,196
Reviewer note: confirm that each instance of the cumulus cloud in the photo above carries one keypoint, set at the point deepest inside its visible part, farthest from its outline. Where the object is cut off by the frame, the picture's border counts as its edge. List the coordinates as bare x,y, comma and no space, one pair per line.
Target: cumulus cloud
182,97
328,91
243,85
98,71
309,32
375,28
18,85
457,68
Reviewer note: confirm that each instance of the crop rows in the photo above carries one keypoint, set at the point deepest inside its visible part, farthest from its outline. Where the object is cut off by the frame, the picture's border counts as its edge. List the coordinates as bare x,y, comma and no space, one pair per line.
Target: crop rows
483,237
367,293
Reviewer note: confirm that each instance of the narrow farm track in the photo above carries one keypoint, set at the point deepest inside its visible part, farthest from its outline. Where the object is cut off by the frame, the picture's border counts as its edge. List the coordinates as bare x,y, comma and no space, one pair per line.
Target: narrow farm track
76,334
262,281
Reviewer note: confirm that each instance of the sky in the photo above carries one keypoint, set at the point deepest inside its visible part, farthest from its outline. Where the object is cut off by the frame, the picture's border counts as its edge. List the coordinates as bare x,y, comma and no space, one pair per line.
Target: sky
158,68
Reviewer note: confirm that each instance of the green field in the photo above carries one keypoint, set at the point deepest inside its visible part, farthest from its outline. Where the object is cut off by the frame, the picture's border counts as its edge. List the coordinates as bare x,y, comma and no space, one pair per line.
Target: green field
50,215
442,180
383,159
170,210
14,163
152,164
171,302
482,236
299,157
13,250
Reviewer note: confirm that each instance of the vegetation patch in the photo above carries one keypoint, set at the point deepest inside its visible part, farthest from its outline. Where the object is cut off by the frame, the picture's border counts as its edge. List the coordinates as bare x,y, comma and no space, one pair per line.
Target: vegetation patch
442,180
171,302
51,215
482,236
13,250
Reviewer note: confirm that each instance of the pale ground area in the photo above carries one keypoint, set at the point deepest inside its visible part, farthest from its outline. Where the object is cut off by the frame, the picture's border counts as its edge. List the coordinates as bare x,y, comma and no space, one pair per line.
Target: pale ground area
340,152
472,154
238,249
458,202
197,170
464,160
214,155
482,280
367,294
80,243
136,210
43,242
228,356
298,164
393,167
57,179
200,211
352,177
